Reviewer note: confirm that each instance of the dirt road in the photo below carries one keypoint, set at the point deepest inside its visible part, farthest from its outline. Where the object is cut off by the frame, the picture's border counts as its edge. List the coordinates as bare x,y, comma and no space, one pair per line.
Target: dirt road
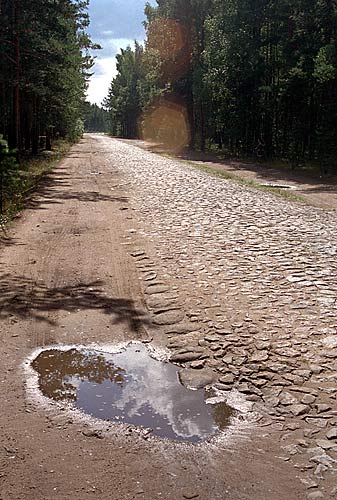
250,280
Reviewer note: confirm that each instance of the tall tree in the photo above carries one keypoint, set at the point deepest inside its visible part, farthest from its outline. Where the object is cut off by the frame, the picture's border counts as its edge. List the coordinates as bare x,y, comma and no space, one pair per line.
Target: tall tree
44,64
123,100
257,77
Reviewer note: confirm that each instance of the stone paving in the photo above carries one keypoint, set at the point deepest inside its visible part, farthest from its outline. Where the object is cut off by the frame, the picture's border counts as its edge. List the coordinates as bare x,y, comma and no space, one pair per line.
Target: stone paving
244,283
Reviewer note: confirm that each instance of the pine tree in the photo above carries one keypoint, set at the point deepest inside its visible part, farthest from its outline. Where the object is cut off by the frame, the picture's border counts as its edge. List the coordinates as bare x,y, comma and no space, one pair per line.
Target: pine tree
257,77
43,70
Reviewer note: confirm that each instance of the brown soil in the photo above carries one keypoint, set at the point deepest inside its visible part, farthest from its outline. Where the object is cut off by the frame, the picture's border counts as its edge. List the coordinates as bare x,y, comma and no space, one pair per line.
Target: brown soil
70,239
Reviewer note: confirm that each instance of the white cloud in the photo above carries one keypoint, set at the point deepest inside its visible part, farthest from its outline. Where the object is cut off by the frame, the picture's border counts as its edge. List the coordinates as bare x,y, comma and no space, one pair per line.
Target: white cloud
152,384
100,81
116,44
105,70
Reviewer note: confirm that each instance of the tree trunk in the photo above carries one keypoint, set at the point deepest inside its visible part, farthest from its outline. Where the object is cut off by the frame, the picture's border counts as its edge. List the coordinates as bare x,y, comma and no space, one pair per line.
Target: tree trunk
16,97
202,128
48,139
35,127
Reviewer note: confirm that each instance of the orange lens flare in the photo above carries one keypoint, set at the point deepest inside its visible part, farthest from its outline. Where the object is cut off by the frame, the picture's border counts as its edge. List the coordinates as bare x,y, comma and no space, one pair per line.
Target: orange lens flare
166,125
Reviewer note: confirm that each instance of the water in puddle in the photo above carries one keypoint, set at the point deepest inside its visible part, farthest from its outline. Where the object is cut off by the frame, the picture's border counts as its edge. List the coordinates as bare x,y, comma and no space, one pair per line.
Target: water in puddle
279,186
130,387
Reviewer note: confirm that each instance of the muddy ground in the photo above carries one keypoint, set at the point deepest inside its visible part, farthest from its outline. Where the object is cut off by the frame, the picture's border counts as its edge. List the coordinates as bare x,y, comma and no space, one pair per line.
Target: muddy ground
121,244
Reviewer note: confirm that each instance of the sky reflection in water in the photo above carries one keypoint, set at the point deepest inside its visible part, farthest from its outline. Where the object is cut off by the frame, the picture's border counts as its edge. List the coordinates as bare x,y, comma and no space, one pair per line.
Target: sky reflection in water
130,387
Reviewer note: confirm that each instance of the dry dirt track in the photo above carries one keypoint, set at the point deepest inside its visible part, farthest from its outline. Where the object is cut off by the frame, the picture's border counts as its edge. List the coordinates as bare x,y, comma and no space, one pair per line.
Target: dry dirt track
68,276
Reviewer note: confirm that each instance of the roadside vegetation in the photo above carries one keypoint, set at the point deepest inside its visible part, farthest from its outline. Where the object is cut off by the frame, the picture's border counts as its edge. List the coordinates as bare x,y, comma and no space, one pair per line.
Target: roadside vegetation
44,68
19,179
45,64
251,79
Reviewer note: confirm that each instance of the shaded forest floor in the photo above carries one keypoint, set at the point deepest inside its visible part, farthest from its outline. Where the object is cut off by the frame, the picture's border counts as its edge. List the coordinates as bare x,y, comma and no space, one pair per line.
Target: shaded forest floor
298,185
29,173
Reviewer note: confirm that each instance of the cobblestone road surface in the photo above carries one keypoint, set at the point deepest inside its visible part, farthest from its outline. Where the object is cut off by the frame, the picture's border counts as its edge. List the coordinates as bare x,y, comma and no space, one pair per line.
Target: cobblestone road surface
244,283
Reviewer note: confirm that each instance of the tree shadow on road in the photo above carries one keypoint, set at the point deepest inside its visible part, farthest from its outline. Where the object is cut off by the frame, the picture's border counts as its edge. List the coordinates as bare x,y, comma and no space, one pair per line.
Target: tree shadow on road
55,189
24,298
6,240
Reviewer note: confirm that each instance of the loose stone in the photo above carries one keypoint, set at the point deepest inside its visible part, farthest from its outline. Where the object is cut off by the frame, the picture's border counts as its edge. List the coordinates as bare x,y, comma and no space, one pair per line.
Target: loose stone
321,408
137,253
186,356
156,289
325,444
196,379
303,373
319,470
304,390
222,387
168,317
315,495
318,422
93,433
199,364
298,409
310,432
323,459
332,433
260,356
227,379
292,426
156,301
180,329
288,399
316,369
330,341
308,399
190,495
309,483
245,388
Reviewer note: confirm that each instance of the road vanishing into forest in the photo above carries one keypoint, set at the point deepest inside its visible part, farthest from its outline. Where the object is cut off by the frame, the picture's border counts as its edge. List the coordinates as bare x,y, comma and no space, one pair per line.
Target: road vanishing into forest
122,244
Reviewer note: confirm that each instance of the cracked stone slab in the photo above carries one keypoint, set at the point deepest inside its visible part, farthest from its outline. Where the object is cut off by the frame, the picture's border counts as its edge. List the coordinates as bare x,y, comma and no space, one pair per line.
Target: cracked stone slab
159,301
181,357
180,329
152,289
332,433
168,317
298,409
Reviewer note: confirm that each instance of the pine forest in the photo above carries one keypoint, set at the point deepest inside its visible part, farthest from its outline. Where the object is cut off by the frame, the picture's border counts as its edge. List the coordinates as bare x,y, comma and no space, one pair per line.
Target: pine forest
252,78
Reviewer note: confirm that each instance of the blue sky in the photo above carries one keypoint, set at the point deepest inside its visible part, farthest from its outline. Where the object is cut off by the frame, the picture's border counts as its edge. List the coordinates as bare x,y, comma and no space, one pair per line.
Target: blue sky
114,24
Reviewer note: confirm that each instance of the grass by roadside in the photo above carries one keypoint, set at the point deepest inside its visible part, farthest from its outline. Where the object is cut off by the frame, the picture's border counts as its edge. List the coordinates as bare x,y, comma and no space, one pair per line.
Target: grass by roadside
29,173
283,193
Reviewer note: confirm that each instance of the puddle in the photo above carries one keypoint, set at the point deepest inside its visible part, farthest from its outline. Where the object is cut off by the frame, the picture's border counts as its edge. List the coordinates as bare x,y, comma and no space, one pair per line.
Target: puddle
133,388
280,186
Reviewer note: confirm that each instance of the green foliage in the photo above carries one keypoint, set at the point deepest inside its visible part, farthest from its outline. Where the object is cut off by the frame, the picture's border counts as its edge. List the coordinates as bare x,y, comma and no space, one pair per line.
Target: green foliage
270,71
96,119
44,67
127,92
20,178
77,131
9,174
3,145
325,64
258,77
